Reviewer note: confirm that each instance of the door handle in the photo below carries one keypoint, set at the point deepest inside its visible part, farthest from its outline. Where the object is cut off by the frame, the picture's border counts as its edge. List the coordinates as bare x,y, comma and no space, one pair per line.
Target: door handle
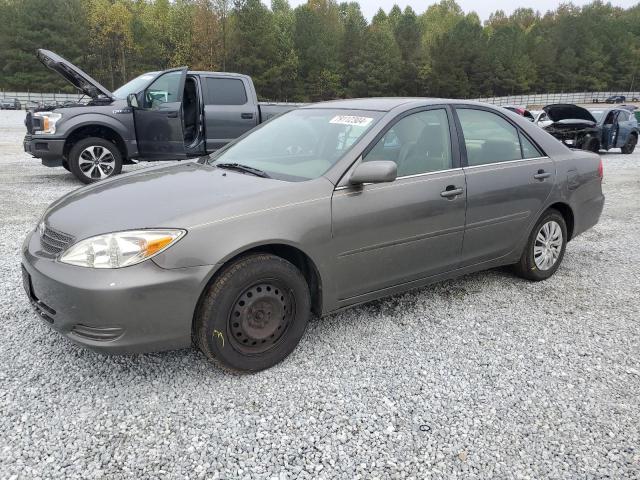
246,116
172,115
541,175
451,192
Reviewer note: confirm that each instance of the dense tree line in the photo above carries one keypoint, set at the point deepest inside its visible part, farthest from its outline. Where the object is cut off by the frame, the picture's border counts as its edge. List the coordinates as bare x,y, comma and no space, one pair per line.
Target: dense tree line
324,49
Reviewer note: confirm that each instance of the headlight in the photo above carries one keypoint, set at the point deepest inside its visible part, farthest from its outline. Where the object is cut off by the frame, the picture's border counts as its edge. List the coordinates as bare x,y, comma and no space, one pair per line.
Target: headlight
120,249
48,121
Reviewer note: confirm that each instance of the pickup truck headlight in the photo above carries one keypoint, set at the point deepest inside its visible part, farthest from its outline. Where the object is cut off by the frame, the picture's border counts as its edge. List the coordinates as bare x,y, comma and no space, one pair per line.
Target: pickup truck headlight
48,121
120,249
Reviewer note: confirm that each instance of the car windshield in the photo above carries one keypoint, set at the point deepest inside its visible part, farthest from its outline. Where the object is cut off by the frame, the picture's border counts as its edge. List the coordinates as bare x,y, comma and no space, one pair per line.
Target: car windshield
301,144
134,86
597,114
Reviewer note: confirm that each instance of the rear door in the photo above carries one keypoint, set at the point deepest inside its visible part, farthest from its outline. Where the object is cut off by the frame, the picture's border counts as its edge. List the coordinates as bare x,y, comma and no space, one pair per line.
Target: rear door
390,233
228,110
508,181
158,117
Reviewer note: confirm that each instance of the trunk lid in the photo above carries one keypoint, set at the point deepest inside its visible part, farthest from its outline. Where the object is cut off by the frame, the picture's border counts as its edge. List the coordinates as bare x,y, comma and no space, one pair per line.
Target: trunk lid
76,77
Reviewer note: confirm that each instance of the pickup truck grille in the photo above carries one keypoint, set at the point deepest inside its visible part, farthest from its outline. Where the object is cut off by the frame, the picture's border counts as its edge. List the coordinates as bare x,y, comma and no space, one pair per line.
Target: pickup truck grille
54,242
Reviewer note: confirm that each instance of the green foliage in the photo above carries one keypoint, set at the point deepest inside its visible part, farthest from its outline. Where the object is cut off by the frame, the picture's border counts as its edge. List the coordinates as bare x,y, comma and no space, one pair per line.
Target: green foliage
324,49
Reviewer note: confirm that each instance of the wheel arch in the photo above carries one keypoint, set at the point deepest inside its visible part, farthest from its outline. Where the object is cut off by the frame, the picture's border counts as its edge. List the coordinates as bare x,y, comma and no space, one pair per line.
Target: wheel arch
95,130
567,213
286,251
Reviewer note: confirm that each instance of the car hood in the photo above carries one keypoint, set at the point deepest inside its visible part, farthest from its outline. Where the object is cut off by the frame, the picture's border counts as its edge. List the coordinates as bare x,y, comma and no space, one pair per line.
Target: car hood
567,111
186,195
76,77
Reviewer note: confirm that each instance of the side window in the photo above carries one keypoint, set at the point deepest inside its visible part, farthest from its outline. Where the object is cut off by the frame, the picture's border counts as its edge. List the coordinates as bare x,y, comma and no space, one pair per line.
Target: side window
529,150
623,116
488,137
164,89
225,91
418,143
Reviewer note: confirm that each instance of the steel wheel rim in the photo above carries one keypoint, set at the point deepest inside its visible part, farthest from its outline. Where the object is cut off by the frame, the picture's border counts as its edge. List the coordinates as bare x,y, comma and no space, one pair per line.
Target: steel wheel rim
548,245
96,162
260,317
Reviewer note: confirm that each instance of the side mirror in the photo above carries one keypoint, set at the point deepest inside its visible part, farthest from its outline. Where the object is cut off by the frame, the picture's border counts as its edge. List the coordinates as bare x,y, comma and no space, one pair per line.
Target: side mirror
132,100
378,171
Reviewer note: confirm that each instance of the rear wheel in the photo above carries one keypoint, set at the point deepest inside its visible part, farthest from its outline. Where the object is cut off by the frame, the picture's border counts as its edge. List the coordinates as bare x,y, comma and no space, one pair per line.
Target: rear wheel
630,145
254,314
545,247
93,159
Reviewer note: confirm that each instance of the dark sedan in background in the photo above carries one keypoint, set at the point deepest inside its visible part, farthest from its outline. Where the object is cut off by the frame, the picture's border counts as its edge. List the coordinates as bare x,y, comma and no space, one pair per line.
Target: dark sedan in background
322,208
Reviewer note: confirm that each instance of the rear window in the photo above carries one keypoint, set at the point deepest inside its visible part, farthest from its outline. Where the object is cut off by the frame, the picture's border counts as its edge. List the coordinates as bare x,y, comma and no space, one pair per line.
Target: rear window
225,91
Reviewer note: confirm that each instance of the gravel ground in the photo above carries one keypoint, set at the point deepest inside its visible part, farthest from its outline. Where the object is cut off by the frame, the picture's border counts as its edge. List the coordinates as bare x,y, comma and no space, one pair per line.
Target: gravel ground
486,376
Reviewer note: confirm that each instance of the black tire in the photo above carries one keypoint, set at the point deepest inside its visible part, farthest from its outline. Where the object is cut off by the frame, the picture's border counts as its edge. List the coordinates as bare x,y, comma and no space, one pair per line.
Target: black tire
592,144
630,145
527,266
89,148
254,314
65,165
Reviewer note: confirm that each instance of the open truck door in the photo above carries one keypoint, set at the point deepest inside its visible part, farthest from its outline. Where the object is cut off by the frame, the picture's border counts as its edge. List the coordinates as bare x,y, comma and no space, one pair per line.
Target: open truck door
157,113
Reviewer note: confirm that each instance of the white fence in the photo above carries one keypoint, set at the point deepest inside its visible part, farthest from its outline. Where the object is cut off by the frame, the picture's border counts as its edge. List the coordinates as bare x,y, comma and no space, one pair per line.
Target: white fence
30,99
549,98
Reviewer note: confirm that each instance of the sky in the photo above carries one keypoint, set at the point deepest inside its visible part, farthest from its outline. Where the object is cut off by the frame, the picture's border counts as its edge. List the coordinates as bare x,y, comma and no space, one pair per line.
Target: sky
483,8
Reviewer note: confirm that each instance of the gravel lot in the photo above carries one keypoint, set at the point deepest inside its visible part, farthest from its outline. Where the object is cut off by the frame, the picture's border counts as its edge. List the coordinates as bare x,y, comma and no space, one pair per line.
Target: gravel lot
486,376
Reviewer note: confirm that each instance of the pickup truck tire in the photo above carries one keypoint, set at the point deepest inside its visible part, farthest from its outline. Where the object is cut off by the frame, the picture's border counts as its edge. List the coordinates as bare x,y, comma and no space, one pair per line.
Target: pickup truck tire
545,247
65,165
630,145
93,159
253,314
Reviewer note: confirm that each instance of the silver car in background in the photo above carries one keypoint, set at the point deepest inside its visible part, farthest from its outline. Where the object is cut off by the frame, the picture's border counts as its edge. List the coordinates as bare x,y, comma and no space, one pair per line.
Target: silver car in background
322,208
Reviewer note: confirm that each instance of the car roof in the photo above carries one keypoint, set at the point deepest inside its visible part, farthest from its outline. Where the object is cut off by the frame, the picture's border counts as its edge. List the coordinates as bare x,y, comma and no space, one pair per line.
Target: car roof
386,104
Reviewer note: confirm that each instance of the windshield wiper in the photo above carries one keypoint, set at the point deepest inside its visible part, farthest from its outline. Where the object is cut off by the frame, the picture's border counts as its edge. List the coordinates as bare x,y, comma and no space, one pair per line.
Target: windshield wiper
244,168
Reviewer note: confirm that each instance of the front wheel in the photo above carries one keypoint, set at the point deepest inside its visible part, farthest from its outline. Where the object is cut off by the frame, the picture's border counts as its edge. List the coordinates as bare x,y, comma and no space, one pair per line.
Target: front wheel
630,145
254,314
93,159
545,248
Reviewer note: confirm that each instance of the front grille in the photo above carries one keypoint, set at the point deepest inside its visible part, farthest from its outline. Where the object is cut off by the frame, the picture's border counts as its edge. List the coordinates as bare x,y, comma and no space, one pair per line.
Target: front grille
53,242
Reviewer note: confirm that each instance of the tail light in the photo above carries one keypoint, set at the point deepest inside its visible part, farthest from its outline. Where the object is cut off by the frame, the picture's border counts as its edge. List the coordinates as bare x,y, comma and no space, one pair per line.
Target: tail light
601,170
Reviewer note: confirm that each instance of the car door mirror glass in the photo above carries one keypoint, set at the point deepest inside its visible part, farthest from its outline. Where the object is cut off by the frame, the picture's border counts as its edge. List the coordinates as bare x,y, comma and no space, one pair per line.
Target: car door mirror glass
132,100
377,171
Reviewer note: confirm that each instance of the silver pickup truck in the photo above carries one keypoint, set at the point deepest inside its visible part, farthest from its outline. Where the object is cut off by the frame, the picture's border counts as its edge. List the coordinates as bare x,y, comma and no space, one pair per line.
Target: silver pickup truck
167,115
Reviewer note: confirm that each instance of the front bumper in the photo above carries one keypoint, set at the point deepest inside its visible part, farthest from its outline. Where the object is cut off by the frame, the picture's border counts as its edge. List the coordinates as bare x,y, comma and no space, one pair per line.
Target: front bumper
50,150
142,308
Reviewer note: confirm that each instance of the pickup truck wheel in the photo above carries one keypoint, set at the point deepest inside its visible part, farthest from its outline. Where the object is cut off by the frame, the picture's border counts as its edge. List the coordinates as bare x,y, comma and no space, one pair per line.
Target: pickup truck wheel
65,165
630,146
254,314
545,248
93,159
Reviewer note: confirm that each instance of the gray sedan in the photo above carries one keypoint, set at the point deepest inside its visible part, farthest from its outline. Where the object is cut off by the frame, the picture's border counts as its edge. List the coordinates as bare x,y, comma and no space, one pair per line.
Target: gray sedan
322,208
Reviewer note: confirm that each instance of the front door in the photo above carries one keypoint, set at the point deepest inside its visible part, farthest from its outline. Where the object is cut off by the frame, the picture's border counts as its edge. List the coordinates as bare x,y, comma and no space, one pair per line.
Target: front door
228,111
158,117
391,233
610,130
625,127
508,181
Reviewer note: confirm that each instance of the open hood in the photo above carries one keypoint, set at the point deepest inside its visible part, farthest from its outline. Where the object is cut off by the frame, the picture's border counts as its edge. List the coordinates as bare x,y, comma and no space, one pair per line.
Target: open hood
567,111
74,75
